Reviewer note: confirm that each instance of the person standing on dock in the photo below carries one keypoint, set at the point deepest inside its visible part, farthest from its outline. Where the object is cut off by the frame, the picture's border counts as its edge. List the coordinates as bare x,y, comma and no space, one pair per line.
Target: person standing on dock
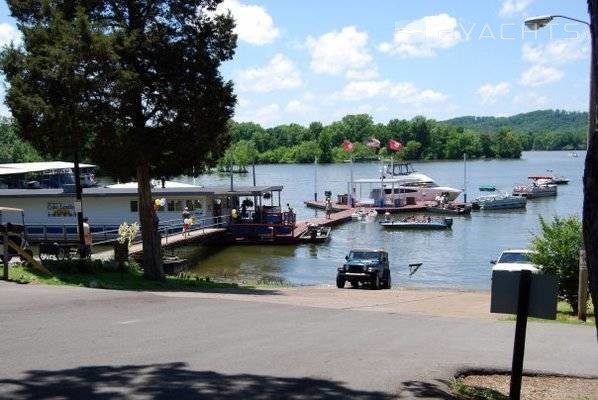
86,238
328,208
186,217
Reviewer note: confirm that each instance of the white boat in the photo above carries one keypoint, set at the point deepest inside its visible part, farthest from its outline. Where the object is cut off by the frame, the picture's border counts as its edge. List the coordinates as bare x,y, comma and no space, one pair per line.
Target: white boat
426,187
540,186
500,202
398,186
364,215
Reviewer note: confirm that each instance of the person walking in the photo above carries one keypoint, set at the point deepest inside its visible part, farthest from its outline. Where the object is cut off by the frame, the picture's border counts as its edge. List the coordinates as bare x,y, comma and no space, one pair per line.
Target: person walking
328,208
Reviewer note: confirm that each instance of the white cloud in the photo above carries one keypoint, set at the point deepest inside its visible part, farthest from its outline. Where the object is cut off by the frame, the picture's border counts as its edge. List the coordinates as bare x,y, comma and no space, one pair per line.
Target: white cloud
560,51
298,107
254,25
267,115
531,100
362,75
279,73
8,34
421,38
335,52
402,92
539,75
510,8
359,90
490,93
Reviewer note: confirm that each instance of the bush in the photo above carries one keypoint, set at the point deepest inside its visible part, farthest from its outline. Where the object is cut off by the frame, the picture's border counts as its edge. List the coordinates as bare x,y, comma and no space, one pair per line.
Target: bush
556,251
78,266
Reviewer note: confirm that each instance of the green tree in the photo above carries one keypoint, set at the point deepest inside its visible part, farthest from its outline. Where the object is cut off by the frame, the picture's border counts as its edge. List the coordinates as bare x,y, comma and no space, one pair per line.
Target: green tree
506,145
556,251
12,148
411,150
325,144
138,82
244,153
306,152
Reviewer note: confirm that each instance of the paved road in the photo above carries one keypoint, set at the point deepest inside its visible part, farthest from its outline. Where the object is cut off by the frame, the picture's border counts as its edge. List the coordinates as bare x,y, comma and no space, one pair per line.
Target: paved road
94,344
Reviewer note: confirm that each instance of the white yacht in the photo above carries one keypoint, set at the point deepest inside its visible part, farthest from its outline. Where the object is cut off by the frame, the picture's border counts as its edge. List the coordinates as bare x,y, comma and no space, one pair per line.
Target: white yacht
427,189
399,185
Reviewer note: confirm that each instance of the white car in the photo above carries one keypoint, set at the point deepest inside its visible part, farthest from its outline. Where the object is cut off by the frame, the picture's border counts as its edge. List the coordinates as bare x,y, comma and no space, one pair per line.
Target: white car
515,260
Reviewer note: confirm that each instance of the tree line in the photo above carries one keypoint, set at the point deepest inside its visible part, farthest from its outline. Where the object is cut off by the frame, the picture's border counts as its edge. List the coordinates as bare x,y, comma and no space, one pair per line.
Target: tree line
422,139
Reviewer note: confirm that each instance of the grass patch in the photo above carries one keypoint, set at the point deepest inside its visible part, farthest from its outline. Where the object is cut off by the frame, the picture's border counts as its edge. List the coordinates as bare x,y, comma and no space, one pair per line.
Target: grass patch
466,392
105,275
565,315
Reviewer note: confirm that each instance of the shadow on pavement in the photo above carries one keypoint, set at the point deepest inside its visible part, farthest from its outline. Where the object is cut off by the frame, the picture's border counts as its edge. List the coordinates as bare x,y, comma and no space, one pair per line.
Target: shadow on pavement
426,390
171,381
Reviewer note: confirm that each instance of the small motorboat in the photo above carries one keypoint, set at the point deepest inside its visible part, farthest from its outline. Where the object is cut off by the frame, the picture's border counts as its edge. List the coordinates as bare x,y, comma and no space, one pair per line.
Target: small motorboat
418,223
487,188
450,209
560,180
574,154
364,215
316,234
501,201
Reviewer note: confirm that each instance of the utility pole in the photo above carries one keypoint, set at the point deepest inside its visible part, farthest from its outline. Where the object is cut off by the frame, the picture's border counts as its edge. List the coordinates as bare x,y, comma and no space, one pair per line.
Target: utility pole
79,205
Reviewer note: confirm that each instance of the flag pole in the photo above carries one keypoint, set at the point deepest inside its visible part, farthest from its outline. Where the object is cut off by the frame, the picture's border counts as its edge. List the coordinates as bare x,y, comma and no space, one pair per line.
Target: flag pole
316,178
351,185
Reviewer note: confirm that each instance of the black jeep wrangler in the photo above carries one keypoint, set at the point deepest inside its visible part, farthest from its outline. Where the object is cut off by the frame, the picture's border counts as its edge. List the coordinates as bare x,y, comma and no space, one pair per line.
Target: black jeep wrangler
365,266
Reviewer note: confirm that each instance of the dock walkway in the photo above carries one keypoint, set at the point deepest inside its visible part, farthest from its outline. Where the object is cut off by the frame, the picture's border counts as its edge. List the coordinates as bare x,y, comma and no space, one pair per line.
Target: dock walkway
168,241
320,205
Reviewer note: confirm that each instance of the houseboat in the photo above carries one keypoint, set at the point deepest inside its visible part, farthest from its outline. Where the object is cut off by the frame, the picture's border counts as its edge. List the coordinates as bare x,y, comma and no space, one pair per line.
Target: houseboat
540,186
44,175
50,214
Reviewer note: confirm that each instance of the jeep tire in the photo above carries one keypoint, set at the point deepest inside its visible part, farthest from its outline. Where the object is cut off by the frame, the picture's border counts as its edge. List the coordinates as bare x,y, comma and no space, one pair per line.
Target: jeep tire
340,282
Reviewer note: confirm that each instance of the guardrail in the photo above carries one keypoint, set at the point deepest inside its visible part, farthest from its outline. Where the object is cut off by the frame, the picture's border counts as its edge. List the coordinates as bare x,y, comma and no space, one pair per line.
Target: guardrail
105,234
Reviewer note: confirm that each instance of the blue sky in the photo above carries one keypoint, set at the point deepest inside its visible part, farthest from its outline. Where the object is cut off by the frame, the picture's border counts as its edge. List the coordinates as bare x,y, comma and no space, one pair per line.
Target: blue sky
303,61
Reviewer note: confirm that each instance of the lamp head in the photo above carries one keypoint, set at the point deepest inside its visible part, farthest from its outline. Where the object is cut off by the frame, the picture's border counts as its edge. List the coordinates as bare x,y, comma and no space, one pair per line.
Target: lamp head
536,23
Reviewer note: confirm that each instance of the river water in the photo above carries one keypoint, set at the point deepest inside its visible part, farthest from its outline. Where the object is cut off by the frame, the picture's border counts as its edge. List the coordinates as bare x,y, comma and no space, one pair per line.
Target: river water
457,258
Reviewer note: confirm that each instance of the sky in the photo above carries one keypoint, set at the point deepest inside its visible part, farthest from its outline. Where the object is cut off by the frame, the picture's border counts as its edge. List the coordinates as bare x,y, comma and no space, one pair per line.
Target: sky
315,60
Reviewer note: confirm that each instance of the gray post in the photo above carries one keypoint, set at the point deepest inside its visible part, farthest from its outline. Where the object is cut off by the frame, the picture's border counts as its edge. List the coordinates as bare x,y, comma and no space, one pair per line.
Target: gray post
582,296
5,242
525,278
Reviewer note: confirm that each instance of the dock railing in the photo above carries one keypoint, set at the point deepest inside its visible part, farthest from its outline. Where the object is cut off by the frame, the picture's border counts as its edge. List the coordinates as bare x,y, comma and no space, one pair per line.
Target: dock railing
106,234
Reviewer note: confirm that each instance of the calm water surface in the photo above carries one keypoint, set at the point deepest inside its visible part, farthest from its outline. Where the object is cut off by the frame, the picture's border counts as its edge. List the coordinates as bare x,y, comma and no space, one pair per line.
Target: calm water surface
458,258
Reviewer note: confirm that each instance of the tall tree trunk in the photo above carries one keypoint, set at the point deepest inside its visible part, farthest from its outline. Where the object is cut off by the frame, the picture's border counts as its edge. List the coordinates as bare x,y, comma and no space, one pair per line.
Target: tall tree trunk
152,250
590,178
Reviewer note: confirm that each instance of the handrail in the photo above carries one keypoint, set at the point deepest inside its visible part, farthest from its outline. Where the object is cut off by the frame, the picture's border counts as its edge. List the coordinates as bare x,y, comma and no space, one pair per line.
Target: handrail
166,229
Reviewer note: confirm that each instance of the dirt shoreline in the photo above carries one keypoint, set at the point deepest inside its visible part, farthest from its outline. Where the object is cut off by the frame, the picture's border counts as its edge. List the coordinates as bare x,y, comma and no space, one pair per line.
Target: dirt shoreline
433,302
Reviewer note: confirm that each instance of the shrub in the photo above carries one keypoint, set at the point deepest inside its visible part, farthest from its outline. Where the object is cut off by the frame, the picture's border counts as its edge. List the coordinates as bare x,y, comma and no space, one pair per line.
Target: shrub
556,251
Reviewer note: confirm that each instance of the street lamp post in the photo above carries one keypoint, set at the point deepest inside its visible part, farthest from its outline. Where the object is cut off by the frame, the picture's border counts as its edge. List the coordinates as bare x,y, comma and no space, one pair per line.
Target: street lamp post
590,180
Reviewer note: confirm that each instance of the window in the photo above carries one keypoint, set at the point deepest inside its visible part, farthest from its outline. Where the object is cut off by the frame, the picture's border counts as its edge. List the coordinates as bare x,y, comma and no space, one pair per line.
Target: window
134,207
193,205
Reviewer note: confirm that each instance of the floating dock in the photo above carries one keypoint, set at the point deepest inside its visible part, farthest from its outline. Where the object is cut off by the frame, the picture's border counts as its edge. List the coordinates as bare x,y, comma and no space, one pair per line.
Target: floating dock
320,205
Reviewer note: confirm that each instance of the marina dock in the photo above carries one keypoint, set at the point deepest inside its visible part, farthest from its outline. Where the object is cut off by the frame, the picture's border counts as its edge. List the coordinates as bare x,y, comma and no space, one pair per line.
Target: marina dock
320,205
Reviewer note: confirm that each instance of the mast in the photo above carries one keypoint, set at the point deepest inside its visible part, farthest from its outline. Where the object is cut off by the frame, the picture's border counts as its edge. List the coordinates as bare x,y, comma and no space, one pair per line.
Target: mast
465,177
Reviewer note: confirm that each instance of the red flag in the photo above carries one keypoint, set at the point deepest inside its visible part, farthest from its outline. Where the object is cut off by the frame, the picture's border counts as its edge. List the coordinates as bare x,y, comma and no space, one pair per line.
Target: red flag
347,146
373,143
394,145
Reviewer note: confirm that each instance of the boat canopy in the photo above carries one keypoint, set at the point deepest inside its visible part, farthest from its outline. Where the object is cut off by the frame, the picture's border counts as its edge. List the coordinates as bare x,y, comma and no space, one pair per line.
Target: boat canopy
536,177
31,167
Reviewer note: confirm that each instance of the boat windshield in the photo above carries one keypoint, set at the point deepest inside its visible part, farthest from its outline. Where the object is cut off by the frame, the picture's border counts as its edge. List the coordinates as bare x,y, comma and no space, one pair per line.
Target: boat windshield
523,258
363,255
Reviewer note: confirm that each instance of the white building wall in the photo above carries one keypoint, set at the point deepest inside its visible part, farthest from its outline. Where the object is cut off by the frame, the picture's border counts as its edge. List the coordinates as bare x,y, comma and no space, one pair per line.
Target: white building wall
100,210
